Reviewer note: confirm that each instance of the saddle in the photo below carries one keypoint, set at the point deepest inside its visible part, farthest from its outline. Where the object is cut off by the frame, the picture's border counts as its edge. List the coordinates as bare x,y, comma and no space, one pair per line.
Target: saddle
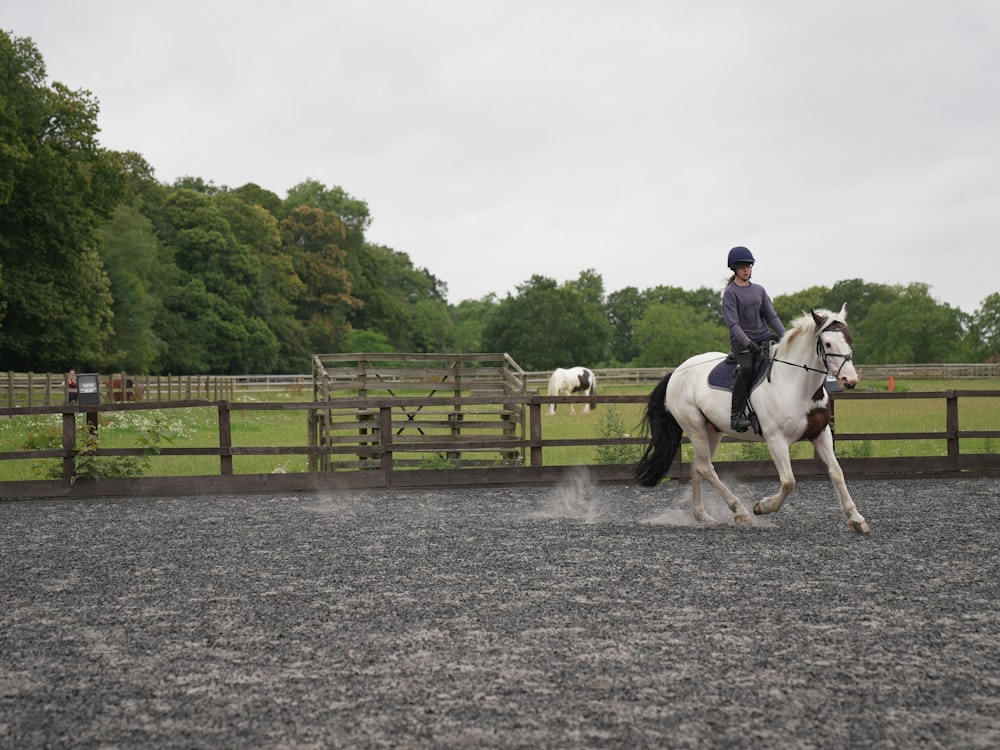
722,375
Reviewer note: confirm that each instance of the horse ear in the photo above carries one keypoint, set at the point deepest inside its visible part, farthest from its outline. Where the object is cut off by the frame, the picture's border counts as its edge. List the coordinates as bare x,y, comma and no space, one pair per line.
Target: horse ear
843,311
819,321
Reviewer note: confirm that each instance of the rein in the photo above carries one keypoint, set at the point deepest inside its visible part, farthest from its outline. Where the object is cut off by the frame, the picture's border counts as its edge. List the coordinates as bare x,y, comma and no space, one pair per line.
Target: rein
835,326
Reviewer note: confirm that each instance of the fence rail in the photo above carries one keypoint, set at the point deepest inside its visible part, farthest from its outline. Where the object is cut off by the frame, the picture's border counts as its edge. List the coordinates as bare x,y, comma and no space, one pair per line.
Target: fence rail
47,389
382,449
625,376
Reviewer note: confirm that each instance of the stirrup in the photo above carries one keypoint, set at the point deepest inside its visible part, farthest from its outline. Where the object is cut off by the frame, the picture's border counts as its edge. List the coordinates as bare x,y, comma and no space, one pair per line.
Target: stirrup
740,423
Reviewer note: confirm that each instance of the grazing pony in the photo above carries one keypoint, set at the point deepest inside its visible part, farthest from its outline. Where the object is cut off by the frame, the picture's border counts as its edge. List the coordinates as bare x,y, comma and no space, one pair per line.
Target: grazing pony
789,404
567,382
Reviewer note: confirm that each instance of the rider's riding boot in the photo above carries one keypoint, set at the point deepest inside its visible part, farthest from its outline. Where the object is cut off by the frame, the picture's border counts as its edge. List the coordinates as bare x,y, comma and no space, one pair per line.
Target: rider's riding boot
738,421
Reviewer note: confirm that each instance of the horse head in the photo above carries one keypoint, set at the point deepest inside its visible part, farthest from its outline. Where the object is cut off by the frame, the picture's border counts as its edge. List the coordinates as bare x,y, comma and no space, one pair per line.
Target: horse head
835,345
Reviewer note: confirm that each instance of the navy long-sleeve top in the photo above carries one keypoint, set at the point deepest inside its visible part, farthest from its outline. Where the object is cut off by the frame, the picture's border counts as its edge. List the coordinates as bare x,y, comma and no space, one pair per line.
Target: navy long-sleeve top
750,315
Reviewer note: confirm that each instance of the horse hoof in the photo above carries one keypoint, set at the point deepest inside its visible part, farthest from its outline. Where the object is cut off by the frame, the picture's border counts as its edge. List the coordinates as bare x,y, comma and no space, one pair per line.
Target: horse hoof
859,527
756,509
741,520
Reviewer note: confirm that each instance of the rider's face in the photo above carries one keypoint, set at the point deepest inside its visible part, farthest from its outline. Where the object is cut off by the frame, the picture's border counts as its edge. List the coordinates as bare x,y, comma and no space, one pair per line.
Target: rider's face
743,270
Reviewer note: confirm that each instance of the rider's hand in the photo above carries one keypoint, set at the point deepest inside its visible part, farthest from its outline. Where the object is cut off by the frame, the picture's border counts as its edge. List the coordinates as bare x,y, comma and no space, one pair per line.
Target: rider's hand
753,347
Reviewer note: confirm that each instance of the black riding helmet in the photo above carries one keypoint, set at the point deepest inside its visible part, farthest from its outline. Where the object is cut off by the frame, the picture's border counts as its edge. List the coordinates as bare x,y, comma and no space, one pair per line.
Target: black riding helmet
739,255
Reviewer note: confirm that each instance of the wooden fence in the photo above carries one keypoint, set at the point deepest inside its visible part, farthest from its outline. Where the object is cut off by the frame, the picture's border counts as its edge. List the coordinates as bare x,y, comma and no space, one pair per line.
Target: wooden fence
442,380
46,389
384,469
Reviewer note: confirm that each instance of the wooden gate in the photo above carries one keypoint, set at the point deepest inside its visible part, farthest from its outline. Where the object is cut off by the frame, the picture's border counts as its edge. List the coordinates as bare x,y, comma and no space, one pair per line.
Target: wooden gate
439,434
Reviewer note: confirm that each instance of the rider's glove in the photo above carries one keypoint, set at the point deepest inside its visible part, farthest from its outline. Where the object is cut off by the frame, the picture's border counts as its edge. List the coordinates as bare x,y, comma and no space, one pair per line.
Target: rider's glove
753,347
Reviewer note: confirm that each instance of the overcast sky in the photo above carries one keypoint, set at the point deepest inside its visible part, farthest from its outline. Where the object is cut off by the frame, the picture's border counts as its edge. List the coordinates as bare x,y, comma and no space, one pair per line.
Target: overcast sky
497,140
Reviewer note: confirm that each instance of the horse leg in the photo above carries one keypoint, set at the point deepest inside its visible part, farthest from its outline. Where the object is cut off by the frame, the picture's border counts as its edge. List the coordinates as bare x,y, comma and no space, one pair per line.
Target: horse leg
697,504
705,443
824,449
778,447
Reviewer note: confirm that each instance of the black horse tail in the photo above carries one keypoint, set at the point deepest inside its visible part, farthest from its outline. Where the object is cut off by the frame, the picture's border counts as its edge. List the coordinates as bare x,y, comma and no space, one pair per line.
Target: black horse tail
665,437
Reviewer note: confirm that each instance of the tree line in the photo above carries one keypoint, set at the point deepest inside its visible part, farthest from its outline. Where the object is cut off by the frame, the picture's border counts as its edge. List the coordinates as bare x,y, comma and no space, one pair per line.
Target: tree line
104,267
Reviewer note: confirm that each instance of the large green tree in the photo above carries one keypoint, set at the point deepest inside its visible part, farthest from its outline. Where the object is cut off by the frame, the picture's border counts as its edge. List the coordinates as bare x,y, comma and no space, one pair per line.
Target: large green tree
628,306
312,237
404,302
624,308
353,212
791,306
547,326
857,293
469,319
254,195
130,253
212,314
208,334
280,288
669,333
984,332
860,297
57,188
911,328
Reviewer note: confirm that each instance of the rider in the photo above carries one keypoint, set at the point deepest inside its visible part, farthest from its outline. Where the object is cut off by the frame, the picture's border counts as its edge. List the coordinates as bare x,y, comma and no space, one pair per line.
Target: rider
750,315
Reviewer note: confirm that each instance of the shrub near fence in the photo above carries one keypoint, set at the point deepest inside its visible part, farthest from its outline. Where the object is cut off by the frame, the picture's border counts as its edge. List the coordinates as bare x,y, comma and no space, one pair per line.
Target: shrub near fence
957,460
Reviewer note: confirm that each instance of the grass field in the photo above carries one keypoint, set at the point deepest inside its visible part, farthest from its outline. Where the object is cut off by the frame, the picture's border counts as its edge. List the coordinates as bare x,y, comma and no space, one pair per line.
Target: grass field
198,427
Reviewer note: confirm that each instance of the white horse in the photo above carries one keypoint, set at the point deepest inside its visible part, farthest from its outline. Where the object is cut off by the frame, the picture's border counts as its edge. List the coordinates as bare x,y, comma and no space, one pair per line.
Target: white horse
567,382
790,404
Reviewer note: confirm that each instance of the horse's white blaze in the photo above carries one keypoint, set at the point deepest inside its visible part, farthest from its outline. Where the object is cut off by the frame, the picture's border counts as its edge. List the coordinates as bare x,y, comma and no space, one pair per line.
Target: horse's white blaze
571,381
838,350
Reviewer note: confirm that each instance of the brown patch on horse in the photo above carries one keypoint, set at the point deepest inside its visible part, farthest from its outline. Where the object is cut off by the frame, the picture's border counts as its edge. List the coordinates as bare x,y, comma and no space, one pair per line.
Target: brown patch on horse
816,421
584,382
838,327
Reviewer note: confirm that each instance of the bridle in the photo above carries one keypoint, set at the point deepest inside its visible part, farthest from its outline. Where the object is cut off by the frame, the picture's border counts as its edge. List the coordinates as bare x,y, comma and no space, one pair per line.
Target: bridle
835,326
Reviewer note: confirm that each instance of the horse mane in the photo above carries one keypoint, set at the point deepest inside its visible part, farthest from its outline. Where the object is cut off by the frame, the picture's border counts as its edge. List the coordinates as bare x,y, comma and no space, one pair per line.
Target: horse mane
797,328
804,324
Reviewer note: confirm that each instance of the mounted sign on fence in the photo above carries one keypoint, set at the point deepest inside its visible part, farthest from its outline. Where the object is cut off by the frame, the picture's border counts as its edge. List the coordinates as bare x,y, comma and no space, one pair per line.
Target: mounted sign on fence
88,388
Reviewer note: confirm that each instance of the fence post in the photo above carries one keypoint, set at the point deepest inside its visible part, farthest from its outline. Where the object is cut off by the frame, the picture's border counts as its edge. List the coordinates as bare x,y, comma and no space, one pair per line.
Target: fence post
225,440
385,436
951,425
69,445
311,441
535,419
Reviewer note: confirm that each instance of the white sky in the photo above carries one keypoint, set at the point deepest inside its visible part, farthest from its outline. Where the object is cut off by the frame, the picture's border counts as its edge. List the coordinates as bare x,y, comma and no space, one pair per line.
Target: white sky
641,139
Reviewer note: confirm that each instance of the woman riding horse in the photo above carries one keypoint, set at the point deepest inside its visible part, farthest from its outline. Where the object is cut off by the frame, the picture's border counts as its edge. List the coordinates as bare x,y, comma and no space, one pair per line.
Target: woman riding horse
750,316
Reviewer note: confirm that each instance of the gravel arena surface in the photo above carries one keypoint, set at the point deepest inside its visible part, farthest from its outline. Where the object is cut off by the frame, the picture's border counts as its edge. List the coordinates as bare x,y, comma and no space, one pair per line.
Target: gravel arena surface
573,616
